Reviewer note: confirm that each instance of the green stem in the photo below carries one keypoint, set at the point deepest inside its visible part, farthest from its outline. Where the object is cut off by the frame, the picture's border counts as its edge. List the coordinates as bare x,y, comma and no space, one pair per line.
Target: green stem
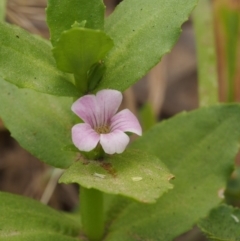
96,154
206,54
92,213
231,19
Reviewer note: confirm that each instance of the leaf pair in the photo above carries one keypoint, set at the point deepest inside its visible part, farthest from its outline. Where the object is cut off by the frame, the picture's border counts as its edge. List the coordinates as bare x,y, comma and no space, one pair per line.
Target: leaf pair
141,35
27,61
79,49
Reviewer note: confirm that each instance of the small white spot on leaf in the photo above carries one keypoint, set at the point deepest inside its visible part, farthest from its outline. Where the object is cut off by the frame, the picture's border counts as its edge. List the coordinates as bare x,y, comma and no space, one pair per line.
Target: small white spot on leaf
137,179
99,175
221,193
235,218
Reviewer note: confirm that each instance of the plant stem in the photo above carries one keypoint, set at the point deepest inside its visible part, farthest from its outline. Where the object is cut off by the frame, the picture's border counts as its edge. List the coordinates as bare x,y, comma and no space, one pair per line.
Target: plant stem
96,154
91,205
227,29
206,54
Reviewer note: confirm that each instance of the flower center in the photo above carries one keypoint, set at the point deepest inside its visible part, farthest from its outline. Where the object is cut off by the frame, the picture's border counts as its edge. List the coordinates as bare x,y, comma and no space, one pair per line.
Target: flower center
102,129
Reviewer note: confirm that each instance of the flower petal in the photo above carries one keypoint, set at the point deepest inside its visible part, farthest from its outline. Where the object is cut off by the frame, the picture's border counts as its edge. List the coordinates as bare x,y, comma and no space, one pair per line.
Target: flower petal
114,142
87,109
125,121
84,137
98,110
109,102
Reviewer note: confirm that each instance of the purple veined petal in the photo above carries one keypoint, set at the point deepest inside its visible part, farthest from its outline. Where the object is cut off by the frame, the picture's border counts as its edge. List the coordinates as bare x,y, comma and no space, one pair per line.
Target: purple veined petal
109,102
87,109
84,137
125,121
114,142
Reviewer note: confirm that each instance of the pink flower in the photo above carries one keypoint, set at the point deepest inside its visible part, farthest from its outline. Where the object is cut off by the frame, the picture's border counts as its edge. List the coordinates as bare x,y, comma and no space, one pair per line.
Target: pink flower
102,124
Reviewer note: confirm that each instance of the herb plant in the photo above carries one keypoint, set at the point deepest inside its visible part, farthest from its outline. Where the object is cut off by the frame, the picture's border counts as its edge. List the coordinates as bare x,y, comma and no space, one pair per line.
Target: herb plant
167,180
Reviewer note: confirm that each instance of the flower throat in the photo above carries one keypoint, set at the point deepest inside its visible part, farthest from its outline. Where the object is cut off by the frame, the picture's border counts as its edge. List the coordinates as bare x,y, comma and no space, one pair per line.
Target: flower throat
102,129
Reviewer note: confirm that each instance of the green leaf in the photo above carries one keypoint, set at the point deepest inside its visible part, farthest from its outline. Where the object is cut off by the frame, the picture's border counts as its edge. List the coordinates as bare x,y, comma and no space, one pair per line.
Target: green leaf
206,53
142,35
199,147
27,62
40,123
78,49
223,224
62,14
25,219
133,174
